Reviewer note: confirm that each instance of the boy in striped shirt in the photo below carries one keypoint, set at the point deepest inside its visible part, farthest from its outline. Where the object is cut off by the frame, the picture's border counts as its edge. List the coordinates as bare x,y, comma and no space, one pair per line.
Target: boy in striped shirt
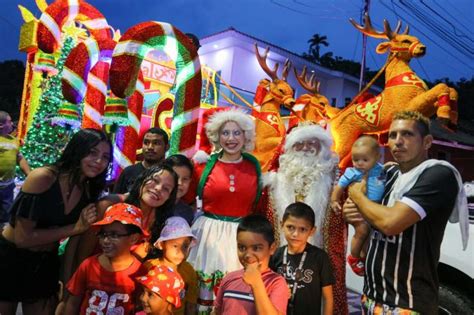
256,289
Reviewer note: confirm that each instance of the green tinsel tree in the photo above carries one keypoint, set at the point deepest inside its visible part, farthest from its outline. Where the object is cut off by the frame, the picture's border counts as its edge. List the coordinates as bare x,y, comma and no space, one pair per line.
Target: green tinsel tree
45,140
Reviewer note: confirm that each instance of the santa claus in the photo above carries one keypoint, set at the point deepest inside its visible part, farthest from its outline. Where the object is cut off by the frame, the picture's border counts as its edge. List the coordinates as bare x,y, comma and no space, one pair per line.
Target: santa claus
306,173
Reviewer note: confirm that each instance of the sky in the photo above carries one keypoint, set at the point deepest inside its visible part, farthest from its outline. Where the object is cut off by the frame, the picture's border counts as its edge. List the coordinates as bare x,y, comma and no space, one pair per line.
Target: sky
291,23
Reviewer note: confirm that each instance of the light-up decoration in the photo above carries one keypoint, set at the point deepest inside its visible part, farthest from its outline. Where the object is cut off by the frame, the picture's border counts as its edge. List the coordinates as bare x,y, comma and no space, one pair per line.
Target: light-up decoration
61,13
127,58
127,138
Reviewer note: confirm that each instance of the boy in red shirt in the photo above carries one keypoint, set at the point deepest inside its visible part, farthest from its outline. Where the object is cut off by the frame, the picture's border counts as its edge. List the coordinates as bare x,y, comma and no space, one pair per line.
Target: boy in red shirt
256,289
104,283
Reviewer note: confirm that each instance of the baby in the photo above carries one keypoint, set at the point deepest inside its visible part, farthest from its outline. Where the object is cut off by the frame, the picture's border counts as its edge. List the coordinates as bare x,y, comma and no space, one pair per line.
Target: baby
365,154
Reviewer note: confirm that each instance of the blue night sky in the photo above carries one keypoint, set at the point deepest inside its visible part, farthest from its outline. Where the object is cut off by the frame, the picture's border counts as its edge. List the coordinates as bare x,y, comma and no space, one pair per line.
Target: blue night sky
290,23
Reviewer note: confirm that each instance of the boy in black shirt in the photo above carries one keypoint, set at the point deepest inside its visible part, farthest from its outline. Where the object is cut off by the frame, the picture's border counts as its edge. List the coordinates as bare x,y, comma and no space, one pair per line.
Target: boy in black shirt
305,267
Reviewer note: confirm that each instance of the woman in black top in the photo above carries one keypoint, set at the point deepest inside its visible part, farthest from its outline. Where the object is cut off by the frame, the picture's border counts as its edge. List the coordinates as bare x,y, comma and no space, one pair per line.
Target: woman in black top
55,202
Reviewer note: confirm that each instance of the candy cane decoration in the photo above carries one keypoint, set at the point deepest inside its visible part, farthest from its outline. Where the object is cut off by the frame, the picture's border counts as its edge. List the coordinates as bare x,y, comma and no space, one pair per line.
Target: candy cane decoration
96,96
133,46
81,60
126,139
85,74
63,11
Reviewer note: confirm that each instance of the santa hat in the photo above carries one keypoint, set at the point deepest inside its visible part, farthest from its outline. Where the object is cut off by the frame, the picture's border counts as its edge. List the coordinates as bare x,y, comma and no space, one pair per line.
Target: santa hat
244,121
307,131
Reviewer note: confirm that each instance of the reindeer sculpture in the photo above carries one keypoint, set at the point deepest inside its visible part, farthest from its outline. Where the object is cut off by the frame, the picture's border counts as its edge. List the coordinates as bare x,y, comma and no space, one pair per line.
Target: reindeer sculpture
269,127
404,90
312,106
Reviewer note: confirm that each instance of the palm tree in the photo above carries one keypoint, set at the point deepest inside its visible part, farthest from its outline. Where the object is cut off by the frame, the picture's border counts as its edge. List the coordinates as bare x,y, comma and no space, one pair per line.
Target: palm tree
315,44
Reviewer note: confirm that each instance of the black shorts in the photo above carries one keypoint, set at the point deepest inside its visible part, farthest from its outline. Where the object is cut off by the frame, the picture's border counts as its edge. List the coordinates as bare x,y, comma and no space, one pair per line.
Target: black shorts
27,276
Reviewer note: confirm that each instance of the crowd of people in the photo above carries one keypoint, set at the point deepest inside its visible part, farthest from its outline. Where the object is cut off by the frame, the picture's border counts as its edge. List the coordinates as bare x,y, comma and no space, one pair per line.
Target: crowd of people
214,235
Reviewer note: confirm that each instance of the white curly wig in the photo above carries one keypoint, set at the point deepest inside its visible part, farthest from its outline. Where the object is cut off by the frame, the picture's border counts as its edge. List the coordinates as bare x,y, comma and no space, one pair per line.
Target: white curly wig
238,116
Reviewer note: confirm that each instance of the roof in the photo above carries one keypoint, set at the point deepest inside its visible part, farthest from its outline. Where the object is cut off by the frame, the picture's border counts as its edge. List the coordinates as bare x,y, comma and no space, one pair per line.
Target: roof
231,29
336,73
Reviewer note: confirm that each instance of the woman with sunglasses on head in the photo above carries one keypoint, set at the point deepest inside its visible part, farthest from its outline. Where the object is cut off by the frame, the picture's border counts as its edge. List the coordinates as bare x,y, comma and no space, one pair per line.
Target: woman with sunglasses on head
55,202
228,189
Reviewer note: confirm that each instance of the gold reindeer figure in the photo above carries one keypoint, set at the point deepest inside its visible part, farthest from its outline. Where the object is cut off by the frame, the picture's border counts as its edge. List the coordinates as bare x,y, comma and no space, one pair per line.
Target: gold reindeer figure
311,106
269,127
404,90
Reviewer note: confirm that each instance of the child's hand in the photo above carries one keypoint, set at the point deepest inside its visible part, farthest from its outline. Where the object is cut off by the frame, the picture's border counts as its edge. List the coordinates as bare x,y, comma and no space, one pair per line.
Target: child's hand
87,217
252,274
336,206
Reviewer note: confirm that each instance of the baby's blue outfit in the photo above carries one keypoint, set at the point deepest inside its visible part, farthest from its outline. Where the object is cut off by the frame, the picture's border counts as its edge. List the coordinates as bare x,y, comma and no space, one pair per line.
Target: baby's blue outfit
375,181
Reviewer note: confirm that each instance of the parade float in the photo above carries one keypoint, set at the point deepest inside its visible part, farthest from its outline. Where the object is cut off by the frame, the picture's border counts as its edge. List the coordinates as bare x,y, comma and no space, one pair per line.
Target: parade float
82,73
75,77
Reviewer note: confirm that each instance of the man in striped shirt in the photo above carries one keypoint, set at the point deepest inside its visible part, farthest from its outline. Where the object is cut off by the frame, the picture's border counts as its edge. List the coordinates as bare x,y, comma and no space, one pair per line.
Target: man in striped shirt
407,228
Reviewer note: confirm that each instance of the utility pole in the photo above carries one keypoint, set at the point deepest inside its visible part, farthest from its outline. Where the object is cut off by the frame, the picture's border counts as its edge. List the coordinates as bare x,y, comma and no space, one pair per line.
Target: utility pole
364,45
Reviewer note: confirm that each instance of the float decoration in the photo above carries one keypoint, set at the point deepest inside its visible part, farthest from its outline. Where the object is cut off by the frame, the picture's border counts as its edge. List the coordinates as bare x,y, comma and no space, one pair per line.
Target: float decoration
28,31
127,138
45,140
269,128
69,116
312,106
62,12
128,55
116,112
45,64
404,90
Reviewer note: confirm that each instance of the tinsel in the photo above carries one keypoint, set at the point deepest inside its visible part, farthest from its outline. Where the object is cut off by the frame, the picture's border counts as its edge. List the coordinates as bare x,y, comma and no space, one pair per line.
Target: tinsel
69,116
116,112
45,64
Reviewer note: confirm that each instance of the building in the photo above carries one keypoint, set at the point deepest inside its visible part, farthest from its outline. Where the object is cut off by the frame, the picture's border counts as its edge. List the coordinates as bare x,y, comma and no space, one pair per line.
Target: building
232,54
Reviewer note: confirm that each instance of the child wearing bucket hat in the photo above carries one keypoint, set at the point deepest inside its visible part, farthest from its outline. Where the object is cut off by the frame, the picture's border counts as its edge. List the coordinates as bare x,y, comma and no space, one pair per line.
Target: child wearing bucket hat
162,287
175,241
104,283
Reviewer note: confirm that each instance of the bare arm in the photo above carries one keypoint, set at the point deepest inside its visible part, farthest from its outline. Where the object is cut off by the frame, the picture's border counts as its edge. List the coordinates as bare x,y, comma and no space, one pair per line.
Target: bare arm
23,163
336,198
328,300
73,304
26,234
69,259
389,220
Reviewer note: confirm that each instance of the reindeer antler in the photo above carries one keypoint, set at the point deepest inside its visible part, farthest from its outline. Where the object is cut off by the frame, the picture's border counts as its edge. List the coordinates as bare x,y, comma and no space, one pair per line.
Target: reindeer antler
368,29
262,61
311,85
286,69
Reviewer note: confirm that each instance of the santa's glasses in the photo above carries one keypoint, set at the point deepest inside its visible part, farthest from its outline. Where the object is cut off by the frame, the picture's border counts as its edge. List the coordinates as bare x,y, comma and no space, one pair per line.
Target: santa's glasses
307,145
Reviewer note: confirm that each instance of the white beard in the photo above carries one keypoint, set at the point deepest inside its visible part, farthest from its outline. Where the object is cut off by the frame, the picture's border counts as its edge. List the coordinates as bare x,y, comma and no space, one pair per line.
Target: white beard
307,175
